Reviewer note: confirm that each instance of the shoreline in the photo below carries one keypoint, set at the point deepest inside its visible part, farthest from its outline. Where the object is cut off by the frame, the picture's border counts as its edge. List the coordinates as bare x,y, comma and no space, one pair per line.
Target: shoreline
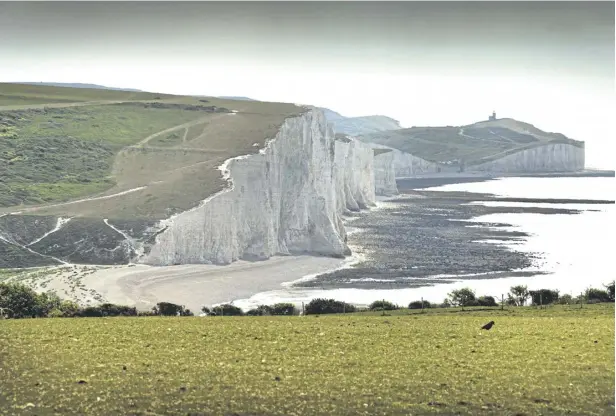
247,282
469,236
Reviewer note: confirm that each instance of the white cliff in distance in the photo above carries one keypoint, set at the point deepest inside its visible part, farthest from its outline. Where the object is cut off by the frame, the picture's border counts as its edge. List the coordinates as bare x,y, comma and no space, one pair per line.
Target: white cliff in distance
558,157
384,173
354,173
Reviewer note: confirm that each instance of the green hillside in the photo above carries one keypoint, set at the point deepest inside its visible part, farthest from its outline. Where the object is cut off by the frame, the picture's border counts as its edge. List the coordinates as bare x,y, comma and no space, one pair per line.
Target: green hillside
475,143
61,144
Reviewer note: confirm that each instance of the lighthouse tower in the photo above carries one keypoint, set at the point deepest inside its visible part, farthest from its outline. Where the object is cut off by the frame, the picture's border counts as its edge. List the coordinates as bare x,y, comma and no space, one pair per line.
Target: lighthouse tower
493,116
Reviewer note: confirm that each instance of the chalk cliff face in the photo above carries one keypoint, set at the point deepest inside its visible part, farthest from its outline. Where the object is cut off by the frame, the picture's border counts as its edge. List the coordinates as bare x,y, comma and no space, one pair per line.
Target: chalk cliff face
384,173
407,165
354,175
548,158
404,164
282,201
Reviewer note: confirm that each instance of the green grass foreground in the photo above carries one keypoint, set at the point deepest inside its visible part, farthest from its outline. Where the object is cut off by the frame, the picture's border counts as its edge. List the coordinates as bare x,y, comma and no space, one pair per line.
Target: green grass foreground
553,361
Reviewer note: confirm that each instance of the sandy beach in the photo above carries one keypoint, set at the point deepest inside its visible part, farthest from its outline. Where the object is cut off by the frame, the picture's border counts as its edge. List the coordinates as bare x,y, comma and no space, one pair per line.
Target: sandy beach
194,286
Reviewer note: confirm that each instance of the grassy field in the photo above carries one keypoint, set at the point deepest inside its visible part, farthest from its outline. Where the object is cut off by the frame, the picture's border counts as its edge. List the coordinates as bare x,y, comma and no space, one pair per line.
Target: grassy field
27,95
552,361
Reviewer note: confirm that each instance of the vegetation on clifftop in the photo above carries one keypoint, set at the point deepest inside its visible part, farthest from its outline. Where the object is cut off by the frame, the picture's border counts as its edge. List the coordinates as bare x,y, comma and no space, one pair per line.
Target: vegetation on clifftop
58,154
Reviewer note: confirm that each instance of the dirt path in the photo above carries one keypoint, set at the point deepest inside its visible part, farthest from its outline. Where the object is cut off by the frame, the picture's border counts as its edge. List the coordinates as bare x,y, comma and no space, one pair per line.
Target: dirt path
94,198
200,120
187,149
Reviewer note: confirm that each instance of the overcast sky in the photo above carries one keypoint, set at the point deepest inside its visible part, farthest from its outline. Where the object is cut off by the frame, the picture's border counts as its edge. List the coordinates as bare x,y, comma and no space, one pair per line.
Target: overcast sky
432,63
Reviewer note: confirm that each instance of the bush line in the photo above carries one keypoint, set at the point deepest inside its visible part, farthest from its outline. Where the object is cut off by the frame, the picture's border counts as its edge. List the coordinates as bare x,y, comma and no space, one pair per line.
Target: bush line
19,301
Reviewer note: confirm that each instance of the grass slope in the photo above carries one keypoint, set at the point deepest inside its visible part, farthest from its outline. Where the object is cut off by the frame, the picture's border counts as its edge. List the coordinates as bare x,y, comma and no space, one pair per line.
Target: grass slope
553,361
62,153
90,142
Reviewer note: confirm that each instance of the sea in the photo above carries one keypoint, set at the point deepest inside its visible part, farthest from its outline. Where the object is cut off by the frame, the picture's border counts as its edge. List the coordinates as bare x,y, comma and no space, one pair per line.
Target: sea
575,251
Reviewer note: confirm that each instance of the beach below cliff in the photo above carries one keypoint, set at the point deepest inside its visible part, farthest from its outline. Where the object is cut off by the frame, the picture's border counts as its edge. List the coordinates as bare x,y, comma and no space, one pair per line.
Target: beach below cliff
193,286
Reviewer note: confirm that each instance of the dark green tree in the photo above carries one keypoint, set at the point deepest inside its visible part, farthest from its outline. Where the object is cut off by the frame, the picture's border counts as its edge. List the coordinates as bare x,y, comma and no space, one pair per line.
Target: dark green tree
19,301
463,297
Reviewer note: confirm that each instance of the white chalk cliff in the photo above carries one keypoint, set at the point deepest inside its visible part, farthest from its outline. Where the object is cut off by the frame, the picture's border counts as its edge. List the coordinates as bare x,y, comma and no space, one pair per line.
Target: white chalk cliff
354,175
557,157
405,164
384,173
285,200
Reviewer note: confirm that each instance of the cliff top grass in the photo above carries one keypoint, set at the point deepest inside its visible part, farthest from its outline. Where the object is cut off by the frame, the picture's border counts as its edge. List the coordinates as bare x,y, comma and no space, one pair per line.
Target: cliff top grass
553,361
159,152
476,143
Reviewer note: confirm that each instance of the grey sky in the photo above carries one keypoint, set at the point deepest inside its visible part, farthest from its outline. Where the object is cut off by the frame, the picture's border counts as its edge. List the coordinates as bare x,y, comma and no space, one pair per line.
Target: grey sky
420,62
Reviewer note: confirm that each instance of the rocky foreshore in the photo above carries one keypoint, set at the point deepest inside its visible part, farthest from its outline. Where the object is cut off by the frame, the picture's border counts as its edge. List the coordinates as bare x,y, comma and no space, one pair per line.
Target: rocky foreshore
423,237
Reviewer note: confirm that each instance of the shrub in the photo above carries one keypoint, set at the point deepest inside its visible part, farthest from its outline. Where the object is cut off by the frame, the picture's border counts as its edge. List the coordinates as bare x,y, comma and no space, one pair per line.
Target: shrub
543,296
260,310
109,309
227,310
91,312
566,299
283,309
518,295
379,305
256,312
597,295
66,309
18,301
45,303
69,308
167,309
486,301
325,306
417,304
610,291
56,313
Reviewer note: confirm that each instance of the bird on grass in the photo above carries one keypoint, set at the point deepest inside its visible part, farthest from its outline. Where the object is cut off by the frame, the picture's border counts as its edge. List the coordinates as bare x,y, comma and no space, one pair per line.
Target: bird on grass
488,326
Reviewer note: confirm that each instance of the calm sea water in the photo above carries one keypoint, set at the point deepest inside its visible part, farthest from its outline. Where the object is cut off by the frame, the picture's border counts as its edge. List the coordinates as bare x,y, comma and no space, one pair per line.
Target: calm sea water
576,250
